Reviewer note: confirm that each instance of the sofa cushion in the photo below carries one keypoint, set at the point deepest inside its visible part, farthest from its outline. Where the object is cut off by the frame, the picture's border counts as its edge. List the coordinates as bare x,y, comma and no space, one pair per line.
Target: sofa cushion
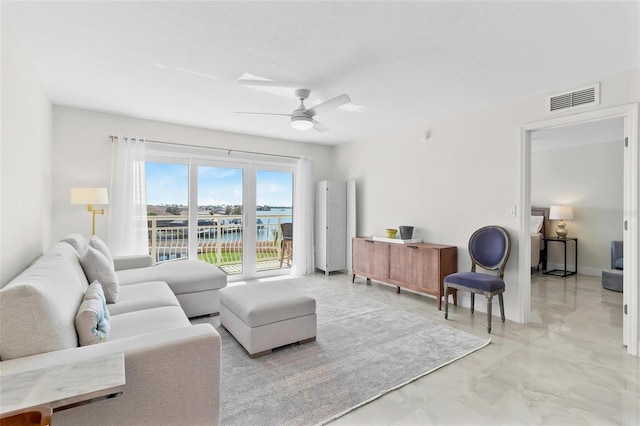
92,319
136,323
71,255
38,309
98,268
100,245
136,297
183,276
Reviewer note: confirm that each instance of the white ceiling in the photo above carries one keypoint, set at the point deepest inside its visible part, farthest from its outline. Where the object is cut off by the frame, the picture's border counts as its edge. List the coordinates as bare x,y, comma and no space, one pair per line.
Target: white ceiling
406,63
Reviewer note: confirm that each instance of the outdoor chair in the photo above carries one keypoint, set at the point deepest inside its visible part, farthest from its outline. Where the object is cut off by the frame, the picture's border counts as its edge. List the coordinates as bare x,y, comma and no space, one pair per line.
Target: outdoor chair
286,251
489,248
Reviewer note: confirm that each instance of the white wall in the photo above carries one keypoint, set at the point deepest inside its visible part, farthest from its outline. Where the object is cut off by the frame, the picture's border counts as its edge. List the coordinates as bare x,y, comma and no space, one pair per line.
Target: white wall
25,162
466,175
82,156
590,179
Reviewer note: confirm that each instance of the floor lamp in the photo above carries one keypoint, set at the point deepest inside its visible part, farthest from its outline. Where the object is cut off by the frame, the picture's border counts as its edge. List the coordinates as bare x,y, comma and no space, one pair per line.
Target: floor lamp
90,196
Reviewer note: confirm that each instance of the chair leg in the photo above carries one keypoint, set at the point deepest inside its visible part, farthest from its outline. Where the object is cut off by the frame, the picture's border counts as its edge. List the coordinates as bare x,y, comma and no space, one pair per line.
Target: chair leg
446,301
473,301
489,300
281,253
501,300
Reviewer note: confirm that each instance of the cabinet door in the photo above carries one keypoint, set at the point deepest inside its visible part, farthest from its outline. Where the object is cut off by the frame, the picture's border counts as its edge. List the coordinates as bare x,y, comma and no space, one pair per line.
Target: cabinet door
417,265
360,257
407,264
379,259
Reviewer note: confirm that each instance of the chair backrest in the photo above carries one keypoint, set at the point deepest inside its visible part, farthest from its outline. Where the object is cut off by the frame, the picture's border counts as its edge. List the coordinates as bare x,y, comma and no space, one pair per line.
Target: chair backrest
489,247
616,252
287,230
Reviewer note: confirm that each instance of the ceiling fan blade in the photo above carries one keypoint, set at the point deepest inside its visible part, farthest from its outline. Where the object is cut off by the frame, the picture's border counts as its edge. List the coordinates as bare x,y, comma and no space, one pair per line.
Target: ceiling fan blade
319,126
330,104
260,113
264,83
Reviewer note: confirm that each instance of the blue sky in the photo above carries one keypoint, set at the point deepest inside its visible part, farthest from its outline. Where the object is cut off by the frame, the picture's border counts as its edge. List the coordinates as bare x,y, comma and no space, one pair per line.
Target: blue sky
167,183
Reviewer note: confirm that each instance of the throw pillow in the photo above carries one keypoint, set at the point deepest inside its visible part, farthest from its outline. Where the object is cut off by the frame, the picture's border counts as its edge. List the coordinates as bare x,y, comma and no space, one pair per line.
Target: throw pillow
95,291
100,245
535,223
76,241
92,319
97,268
91,324
619,264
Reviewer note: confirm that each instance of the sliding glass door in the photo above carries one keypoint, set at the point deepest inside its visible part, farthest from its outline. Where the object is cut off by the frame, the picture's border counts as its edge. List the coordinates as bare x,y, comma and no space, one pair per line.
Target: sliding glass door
220,214
232,215
274,214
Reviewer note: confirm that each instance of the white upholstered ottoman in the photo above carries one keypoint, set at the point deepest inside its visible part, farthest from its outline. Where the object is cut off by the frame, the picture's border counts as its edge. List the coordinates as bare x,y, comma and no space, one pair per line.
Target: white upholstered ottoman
264,316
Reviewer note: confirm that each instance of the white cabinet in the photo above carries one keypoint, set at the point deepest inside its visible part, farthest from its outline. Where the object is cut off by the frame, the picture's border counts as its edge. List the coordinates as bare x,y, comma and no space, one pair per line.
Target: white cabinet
335,224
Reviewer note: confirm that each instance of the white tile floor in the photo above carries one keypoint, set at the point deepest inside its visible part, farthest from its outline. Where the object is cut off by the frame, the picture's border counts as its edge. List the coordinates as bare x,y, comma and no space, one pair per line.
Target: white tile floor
567,367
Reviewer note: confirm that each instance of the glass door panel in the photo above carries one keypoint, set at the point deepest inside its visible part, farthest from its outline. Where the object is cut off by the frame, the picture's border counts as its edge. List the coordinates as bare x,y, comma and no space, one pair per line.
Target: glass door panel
220,208
274,207
167,186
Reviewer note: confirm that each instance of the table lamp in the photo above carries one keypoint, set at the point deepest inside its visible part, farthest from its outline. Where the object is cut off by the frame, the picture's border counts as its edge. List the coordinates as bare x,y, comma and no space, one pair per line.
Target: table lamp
90,196
561,213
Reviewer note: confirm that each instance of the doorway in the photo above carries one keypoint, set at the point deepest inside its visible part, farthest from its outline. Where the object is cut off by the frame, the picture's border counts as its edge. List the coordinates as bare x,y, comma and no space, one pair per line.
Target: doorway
629,113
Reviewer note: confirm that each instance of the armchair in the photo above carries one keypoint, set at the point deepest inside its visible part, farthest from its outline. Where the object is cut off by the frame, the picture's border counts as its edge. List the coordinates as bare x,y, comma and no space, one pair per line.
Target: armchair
612,278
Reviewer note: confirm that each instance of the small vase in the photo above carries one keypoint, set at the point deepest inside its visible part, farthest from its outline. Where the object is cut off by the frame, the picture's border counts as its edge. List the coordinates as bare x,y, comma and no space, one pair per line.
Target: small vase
406,232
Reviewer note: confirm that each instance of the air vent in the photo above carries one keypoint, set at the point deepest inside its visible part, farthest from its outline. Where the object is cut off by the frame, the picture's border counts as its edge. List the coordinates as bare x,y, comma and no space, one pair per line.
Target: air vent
576,98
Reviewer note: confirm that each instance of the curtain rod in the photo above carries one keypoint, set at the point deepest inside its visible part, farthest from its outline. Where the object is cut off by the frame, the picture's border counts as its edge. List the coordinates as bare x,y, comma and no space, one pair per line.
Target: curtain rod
229,151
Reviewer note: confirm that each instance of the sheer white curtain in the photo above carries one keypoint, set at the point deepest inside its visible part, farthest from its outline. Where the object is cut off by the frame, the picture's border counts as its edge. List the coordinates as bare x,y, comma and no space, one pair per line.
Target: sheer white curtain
303,259
128,208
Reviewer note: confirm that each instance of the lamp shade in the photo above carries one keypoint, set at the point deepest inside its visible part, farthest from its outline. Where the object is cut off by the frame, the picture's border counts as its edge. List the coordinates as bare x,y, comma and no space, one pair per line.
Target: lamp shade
301,123
561,213
89,196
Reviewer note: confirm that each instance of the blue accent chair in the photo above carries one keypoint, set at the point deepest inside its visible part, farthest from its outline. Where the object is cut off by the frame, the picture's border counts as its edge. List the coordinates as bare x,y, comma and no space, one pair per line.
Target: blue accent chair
489,248
612,278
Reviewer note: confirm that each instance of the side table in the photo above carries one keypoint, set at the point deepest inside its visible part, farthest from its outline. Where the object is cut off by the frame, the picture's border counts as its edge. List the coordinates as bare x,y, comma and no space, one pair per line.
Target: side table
562,272
62,386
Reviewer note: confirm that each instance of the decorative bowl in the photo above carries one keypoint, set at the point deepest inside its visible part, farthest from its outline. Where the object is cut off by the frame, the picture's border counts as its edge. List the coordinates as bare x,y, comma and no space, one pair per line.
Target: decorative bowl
391,233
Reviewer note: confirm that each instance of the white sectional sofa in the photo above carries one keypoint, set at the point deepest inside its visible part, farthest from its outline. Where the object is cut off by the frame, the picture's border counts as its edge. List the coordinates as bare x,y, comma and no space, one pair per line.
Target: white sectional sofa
196,284
172,367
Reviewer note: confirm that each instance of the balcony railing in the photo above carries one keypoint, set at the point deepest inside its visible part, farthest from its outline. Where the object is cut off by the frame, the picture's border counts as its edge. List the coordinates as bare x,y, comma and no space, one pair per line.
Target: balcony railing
219,239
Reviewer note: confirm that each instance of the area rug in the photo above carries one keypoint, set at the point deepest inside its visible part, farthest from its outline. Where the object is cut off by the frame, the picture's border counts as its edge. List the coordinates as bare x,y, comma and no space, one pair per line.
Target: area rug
363,350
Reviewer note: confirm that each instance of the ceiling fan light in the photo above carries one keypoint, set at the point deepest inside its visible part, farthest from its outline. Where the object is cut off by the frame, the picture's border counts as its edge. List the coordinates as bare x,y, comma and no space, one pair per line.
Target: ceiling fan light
301,123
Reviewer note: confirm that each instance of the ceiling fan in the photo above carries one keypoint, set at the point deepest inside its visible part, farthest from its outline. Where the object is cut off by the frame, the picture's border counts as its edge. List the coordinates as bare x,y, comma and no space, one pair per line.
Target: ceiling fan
301,117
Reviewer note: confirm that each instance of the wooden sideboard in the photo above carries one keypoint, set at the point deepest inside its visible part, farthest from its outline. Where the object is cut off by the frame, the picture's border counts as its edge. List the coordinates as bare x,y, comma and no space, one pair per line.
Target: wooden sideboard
419,267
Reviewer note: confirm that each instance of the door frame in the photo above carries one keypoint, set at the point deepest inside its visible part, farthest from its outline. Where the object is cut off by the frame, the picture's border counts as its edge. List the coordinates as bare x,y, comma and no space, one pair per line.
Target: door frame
249,203
193,157
631,236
